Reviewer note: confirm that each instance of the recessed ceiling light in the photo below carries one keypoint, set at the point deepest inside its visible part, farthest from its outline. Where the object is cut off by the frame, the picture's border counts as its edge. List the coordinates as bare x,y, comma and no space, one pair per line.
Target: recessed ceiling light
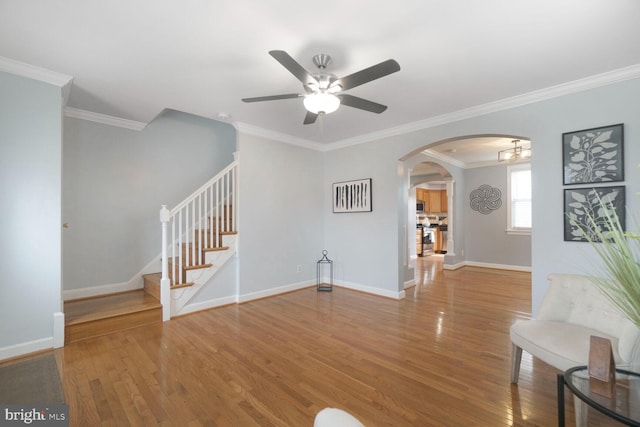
224,116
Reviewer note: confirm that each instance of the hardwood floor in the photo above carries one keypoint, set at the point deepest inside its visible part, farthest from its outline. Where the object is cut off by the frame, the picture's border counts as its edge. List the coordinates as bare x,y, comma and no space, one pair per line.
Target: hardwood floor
440,357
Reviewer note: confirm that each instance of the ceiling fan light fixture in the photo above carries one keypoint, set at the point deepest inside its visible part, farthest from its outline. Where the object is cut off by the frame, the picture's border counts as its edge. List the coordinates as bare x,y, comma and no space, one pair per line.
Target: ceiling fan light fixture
335,88
320,89
321,103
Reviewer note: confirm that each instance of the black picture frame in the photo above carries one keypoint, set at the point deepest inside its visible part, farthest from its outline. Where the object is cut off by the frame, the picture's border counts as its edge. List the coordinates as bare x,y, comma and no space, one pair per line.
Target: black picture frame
352,196
593,155
580,202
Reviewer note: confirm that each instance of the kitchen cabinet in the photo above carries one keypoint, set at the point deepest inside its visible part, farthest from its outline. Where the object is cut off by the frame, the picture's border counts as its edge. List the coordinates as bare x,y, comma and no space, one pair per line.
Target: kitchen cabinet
421,195
419,242
435,200
437,244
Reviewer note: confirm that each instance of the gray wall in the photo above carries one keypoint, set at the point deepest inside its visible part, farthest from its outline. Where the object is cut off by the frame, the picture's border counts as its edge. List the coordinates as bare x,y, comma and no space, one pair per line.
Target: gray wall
365,245
285,203
486,239
281,214
30,196
542,123
618,103
115,181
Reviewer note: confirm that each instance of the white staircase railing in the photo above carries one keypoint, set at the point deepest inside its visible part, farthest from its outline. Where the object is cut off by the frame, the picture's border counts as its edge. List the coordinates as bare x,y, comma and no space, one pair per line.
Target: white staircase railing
193,226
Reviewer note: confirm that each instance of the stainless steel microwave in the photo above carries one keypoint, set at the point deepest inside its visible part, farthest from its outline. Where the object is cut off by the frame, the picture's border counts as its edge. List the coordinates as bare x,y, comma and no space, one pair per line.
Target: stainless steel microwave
419,206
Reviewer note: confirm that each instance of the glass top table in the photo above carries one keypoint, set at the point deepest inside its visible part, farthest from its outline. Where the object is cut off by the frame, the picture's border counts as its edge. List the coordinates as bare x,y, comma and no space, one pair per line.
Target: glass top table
623,406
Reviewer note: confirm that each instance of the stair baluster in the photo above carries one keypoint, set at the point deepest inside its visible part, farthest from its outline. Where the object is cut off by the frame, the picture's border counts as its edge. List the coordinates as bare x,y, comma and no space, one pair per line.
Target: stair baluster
197,225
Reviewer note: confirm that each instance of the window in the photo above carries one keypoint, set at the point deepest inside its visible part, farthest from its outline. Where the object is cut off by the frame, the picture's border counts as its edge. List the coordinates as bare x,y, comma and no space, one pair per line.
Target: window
519,194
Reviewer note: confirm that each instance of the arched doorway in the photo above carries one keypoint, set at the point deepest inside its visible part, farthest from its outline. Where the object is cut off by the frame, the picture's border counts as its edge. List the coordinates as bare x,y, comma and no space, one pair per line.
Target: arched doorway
431,186
450,164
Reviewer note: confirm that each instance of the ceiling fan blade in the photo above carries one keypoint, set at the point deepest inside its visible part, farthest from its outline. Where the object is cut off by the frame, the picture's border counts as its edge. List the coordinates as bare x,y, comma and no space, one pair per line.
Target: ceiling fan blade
310,118
292,65
368,74
363,104
272,97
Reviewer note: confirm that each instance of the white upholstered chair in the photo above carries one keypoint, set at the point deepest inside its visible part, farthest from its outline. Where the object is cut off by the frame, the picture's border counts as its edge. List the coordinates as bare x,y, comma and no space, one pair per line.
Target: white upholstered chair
572,310
333,417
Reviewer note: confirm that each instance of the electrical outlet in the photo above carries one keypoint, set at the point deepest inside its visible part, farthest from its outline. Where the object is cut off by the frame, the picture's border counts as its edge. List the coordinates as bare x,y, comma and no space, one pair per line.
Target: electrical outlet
299,269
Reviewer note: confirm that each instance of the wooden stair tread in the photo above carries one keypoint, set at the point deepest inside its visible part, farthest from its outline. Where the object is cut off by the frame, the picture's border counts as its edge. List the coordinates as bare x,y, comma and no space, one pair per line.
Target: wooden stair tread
212,239
195,267
157,277
208,249
92,309
219,248
221,232
182,285
107,314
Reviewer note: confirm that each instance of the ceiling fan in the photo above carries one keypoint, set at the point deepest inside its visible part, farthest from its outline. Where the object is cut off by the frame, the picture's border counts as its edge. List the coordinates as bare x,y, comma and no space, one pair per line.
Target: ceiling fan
323,91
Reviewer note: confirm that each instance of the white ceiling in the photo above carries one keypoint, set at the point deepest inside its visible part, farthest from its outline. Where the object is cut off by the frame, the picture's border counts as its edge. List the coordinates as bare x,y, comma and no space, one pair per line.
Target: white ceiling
132,59
474,152
465,153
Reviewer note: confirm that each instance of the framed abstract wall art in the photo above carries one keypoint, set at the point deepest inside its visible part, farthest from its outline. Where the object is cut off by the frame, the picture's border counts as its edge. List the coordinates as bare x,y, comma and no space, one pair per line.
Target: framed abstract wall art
352,196
593,155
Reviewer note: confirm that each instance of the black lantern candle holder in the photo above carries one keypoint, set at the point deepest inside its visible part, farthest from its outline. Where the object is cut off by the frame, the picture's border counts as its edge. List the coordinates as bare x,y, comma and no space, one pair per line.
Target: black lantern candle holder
323,265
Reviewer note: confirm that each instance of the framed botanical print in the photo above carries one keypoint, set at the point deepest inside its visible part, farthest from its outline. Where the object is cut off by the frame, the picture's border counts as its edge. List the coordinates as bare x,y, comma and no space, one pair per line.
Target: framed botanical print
581,204
593,155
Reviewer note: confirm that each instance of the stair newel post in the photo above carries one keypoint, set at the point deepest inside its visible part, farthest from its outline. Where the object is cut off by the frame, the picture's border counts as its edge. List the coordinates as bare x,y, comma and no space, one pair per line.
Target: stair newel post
236,158
165,282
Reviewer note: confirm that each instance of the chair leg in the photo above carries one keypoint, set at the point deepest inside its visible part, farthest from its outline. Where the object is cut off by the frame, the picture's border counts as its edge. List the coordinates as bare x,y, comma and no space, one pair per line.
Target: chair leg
516,357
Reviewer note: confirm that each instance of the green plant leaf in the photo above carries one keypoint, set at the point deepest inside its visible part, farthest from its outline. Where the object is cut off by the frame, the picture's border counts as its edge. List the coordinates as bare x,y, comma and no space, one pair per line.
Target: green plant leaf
618,251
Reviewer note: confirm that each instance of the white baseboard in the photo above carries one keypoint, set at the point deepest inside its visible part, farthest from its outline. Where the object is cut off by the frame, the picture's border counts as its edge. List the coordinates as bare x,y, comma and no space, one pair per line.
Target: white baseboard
154,266
26,348
372,290
95,291
409,284
58,330
495,266
206,305
275,291
454,266
218,302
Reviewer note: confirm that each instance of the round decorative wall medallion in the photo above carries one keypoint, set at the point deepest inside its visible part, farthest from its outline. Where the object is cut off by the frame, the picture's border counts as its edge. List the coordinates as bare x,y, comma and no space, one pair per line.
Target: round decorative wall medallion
485,199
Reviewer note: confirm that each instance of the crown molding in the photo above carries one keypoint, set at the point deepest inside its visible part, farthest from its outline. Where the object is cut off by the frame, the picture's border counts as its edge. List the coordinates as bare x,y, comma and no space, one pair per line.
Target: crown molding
104,119
277,136
443,157
64,81
592,82
463,165
40,74
35,73
66,91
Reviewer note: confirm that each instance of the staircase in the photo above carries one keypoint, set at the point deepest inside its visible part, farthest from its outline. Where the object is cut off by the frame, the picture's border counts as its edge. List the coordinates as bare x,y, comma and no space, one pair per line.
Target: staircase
195,255
93,317
198,236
